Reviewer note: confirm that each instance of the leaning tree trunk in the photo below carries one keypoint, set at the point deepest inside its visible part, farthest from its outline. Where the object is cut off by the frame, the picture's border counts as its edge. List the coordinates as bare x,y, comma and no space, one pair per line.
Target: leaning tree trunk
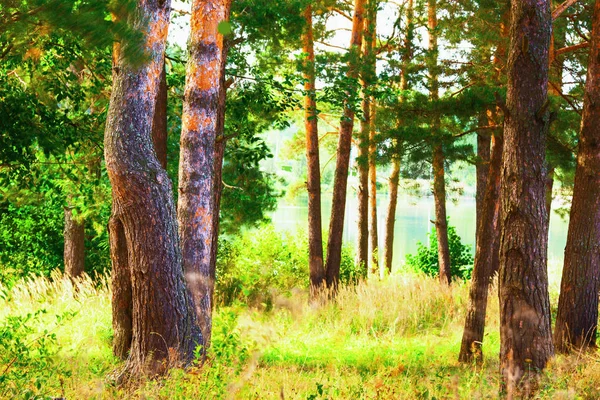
74,248
577,319
439,174
162,317
200,125
525,332
315,230
394,179
485,253
338,203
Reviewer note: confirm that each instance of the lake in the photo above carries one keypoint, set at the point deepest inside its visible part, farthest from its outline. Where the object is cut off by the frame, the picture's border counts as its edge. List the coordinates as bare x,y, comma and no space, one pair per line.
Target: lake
413,216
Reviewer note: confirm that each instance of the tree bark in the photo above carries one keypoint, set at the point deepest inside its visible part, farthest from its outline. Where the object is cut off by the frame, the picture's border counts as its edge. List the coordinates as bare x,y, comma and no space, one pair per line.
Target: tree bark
394,179
74,249
485,253
162,318
196,207
439,174
159,122
338,206
122,300
315,230
525,332
482,169
390,219
577,319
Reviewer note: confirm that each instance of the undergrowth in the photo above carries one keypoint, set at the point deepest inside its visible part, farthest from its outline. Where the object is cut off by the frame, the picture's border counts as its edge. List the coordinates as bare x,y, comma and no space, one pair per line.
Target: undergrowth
396,338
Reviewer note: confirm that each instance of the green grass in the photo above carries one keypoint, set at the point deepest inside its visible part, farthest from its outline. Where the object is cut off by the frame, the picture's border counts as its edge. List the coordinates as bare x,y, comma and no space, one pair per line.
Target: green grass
398,338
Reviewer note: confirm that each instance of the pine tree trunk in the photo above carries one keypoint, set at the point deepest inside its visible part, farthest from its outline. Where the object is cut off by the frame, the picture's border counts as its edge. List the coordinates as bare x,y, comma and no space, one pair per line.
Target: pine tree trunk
525,332
122,300
390,219
482,169
577,319
439,174
74,249
197,179
315,230
338,204
159,122
162,318
394,179
486,251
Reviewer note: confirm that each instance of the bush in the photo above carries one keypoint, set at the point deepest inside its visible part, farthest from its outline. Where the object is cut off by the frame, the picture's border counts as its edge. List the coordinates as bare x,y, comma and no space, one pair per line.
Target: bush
426,259
261,263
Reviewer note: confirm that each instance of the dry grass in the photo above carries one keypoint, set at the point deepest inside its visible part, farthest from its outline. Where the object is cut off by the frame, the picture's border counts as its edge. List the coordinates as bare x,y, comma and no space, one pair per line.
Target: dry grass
396,338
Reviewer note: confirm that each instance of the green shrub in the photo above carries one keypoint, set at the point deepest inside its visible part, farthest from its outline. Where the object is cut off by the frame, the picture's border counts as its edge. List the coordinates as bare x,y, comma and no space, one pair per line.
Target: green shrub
426,259
260,263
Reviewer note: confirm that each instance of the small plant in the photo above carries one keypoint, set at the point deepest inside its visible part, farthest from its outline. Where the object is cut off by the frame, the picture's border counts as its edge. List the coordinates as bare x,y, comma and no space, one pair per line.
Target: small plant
426,259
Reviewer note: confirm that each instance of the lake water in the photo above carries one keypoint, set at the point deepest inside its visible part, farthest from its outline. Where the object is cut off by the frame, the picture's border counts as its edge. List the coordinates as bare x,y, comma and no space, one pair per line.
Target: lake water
413,218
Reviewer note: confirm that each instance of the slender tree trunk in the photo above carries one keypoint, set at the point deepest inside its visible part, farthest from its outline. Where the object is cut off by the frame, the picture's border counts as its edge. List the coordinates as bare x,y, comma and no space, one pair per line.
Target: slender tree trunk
483,269
315,230
525,332
159,122
162,317
74,250
577,319
439,174
220,152
394,178
197,183
482,169
338,206
369,77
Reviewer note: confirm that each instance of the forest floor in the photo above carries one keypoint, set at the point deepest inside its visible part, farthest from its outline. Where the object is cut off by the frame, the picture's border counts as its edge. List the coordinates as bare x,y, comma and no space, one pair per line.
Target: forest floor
392,339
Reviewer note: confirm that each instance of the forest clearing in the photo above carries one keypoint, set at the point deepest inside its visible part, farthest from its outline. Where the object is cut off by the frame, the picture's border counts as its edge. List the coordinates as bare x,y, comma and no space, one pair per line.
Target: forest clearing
303,199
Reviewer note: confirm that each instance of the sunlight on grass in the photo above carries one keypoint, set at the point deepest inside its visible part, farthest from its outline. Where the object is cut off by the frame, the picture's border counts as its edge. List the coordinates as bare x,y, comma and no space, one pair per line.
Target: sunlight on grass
396,338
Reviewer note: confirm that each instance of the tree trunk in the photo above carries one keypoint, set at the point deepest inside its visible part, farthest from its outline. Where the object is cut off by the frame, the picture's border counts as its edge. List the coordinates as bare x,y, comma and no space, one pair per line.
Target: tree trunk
200,124
439,175
394,179
549,187
369,77
315,230
162,317
122,301
390,219
482,169
483,269
525,332
74,250
159,122
338,204
577,319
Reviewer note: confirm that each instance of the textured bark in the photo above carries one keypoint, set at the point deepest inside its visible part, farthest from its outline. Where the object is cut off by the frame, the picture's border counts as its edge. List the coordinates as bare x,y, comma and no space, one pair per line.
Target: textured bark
74,249
482,168
549,187
485,253
525,332
196,207
122,301
162,317
577,319
338,206
159,122
390,219
439,174
315,230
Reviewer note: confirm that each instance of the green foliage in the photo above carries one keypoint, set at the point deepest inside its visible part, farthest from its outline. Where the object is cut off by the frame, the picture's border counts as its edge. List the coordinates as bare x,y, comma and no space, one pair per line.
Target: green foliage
261,264
426,259
29,368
